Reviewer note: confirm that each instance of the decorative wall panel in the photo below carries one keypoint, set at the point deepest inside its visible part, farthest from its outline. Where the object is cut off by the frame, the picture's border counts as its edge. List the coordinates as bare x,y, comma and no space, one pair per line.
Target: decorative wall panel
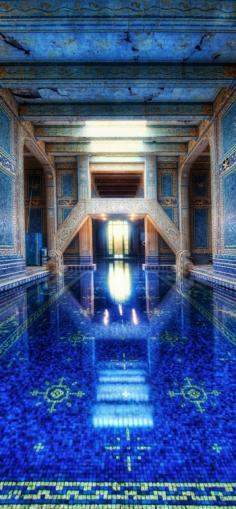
36,220
66,193
35,186
168,198
67,186
12,248
229,190
35,202
200,227
200,211
6,210
167,184
5,132
228,129
200,185
225,258
170,212
65,212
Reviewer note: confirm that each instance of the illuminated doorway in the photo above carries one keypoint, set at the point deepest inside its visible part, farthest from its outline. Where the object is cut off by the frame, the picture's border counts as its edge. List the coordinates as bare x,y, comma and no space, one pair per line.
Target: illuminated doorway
118,238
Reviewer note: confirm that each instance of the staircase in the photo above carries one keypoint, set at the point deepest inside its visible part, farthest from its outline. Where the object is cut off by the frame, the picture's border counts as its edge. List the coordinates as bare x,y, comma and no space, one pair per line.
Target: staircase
96,206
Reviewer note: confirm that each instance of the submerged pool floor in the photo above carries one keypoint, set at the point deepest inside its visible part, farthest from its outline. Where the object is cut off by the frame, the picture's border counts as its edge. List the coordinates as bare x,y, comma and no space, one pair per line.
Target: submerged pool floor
117,389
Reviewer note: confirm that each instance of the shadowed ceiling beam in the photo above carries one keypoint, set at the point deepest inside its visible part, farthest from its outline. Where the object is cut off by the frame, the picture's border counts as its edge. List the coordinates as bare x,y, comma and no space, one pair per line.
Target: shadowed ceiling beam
116,147
193,112
72,74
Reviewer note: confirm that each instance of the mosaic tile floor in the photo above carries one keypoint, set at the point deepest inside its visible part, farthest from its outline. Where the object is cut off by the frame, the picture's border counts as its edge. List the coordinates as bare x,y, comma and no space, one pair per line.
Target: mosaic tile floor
117,390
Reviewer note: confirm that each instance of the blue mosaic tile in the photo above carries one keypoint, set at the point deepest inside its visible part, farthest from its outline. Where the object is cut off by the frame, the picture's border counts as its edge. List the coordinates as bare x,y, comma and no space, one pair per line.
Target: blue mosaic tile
200,227
117,390
229,129
6,209
5,131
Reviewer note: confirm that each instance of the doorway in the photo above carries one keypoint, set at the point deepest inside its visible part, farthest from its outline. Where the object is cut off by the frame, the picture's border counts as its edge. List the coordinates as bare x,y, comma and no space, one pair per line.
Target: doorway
118,238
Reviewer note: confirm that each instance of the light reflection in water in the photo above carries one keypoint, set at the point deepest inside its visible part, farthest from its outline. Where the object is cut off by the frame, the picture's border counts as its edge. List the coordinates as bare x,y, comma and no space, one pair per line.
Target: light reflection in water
123,398
119,281
121,416
106,317
134,317
120,309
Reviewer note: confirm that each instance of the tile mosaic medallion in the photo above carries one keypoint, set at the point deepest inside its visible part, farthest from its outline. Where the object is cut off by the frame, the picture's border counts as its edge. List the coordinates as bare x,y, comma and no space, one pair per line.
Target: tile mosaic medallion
117,391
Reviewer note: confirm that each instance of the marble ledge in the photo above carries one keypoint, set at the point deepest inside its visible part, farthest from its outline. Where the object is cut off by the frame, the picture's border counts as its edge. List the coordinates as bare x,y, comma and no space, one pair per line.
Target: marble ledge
206,274
31,275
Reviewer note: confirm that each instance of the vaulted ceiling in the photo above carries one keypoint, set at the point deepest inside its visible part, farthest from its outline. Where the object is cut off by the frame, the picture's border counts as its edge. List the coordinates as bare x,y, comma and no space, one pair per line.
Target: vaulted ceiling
67,62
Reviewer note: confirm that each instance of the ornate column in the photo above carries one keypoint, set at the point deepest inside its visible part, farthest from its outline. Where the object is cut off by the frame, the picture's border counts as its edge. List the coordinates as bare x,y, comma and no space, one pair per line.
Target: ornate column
215,189
83,177
182,257
86,243
51,208
150,181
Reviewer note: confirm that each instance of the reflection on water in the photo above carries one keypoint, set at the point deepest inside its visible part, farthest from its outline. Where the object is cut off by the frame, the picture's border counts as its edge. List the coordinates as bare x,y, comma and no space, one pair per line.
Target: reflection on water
119,281
118,376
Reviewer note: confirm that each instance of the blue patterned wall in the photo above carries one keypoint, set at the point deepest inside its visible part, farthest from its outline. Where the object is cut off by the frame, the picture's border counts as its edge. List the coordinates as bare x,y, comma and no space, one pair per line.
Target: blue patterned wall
6,210
34,244
36,220
35,186
67,185
200,186
167,185
200,227
229,130
65,212
5,132
170,212
229,189
228,175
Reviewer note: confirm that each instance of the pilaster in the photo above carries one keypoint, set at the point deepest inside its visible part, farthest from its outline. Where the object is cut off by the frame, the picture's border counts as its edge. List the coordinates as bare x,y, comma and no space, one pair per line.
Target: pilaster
83,176
150,188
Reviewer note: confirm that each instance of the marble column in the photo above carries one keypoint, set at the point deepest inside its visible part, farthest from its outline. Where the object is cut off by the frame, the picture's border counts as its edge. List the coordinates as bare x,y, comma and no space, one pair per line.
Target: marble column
150,185
183,263
151,243
86,243
83,177
216,207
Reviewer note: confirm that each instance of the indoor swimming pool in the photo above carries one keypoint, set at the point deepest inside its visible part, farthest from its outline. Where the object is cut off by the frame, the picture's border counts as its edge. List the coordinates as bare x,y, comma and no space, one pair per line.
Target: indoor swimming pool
117,389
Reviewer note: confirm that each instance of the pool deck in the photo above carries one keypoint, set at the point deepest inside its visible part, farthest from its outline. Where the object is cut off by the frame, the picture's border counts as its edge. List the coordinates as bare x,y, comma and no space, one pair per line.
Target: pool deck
31,274
206,274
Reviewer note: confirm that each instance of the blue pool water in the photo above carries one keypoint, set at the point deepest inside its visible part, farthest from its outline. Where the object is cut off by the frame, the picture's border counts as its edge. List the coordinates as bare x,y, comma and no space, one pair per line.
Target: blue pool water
116,376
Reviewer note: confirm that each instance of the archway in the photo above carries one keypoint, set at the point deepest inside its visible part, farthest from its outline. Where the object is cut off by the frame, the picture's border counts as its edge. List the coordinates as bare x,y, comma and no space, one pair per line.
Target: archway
35,211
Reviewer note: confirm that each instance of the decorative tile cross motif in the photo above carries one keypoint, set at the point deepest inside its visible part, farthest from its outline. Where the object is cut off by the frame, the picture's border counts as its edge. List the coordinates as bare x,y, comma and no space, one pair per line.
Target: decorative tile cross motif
56,394
195,394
